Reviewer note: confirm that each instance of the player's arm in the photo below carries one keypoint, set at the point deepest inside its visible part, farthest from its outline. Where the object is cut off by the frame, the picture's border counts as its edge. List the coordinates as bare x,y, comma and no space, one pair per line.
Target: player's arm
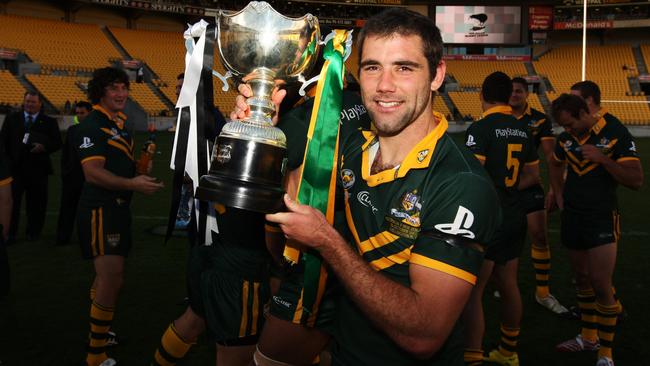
556,175
96,174
418,318
626,170
275,239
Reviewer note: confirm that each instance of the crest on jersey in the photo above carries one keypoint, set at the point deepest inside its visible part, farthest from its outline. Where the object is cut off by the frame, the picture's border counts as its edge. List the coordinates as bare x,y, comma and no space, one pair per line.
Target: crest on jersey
567,144
347,178
404,220
113,239
632,146
422,155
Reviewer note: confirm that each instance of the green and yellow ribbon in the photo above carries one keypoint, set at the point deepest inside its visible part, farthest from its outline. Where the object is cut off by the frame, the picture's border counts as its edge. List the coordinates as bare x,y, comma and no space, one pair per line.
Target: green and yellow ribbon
319,170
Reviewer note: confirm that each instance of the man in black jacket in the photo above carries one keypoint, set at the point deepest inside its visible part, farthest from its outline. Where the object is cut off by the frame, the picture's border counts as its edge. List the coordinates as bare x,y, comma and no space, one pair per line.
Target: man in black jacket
30,137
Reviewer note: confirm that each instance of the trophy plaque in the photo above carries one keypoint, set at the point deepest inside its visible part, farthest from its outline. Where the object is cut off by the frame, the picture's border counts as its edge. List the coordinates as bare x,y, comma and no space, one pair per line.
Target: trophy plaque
258,46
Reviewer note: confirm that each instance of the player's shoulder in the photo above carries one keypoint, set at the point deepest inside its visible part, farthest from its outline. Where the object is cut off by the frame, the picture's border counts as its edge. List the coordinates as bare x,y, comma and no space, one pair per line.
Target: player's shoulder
538,115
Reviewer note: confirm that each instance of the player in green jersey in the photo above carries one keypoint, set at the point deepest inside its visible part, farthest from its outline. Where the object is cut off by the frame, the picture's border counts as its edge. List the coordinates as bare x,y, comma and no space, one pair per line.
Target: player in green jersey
417,207
541,129
104,219
600,154
505,148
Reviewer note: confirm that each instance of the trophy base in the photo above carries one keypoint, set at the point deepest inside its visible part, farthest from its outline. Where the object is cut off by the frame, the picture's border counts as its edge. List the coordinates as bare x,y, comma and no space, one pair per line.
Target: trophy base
240,194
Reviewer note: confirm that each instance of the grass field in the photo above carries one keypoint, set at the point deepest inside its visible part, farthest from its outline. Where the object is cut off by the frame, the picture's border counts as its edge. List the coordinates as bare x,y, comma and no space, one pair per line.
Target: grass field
44,321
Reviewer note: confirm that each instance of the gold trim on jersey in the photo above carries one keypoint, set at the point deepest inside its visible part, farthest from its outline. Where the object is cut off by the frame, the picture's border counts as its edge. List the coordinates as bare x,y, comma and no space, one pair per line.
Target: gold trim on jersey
118,137
121,148
443,267
534,162
480,157
418,158
244,309
397,258
627,158
119,118
94,157
377,241
547,138
527,112
505,109
6,181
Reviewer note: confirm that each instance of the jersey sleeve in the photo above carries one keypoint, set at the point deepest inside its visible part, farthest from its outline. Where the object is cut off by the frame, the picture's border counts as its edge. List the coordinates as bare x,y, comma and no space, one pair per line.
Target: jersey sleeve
462,216
558,152
545,128
625,148
90,142
476,141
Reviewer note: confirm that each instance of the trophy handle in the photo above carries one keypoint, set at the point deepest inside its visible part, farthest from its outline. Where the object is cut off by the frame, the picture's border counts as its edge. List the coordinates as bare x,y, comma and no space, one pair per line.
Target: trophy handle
306,83
223,78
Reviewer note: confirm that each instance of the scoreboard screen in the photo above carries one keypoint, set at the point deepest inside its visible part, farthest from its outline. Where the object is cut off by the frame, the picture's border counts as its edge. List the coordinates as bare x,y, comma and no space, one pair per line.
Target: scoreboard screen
479,24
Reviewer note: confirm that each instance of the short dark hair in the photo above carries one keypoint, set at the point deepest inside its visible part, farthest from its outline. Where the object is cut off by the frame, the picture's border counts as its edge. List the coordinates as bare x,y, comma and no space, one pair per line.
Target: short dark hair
404,22
521,81
102,78
34,94
180,76
85,105
568,103
588,89
496,88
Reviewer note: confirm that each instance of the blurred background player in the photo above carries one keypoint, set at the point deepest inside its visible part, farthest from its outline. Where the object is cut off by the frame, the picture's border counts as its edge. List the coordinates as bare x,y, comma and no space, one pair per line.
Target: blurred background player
541,129
505,148
600,154
72,177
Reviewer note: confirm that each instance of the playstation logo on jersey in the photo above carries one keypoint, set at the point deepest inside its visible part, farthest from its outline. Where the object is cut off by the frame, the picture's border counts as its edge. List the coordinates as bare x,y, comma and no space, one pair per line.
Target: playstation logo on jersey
347,178
632,146
470,141
86,143
462,222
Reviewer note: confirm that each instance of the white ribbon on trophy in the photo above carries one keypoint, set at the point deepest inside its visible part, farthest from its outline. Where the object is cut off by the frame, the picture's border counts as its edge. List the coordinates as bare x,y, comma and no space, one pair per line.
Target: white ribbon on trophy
187,98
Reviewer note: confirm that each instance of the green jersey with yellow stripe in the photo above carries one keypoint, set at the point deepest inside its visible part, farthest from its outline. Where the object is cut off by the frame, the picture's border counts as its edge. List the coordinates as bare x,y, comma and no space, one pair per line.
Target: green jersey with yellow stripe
407,215
505,146
100,137
538,125
589,187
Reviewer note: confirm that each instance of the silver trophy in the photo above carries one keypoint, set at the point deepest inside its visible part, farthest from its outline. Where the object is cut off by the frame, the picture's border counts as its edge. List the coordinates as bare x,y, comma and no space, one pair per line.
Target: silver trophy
258,46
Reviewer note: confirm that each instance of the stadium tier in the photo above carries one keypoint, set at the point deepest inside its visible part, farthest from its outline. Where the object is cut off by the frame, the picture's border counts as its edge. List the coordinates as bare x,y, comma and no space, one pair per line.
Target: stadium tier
11,92
470,74
56,44
468,103
58,89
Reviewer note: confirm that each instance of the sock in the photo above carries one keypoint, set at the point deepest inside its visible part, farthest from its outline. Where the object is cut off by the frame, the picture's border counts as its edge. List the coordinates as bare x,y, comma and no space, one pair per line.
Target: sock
607,315
542,263
92,293
588,319
172,348
101,318
473,357
618,301
508,342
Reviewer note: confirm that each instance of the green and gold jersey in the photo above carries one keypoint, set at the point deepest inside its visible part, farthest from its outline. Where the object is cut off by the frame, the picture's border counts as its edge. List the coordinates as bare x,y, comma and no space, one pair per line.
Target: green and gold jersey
589,187
438,189
504,146
538,124
5,174
99,137
295,124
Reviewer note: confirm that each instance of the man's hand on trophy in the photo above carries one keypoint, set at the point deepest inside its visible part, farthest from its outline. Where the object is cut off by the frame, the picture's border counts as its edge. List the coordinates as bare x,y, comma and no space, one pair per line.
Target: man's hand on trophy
242,109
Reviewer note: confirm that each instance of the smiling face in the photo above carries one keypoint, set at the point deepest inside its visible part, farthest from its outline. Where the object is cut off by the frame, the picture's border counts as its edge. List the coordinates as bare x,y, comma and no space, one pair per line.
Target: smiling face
114,98
396,83
519,96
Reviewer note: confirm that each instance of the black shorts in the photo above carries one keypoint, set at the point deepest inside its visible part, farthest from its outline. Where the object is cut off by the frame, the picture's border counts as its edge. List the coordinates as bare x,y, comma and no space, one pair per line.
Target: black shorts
508,241
583,231
104,230
228,286
532,198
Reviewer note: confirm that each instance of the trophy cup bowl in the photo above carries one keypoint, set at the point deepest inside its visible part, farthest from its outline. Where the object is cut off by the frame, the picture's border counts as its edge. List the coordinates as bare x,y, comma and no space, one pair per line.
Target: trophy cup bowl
258,46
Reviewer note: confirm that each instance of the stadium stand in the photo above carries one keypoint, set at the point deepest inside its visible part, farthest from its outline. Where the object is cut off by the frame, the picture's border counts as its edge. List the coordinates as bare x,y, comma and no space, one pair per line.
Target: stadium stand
56,44
59,88
11,92
468,103
470,74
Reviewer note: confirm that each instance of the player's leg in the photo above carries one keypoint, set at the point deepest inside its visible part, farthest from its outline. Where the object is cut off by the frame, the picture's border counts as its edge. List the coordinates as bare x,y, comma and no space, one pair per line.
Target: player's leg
602,260
473,317
511,311
178,338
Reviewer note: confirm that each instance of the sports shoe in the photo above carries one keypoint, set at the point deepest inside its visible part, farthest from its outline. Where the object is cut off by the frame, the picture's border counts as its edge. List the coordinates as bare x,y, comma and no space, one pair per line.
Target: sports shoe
552,304
497,357
577,344
604,361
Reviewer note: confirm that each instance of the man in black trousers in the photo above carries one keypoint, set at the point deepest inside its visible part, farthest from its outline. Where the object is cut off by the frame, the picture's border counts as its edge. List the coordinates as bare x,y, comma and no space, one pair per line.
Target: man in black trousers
72,177
30,137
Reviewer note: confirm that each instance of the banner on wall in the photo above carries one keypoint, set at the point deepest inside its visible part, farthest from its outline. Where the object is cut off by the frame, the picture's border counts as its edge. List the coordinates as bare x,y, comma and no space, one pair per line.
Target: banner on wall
540,17
486,57
479,24
591,24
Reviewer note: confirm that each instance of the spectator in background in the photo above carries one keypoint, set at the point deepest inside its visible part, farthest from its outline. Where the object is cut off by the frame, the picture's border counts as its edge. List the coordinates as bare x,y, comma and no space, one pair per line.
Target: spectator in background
29,137
72,177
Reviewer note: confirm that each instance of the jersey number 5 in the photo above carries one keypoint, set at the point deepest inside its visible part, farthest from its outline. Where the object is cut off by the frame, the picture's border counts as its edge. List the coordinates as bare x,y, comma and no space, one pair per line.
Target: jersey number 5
512,163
